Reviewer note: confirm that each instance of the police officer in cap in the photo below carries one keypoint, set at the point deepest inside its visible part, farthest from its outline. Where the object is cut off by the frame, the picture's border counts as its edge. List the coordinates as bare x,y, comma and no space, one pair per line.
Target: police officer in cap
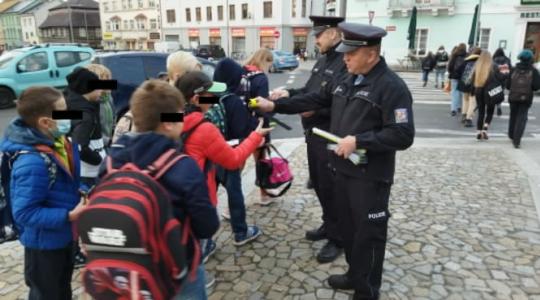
371,109
328,67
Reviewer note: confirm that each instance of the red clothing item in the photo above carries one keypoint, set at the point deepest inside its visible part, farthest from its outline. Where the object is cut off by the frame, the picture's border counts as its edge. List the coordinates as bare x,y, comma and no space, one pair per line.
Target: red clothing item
206,142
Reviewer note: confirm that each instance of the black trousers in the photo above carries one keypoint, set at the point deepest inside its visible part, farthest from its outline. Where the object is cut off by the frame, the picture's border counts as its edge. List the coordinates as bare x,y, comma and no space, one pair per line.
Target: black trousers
322,180
48,273
363,222
485,110
518,121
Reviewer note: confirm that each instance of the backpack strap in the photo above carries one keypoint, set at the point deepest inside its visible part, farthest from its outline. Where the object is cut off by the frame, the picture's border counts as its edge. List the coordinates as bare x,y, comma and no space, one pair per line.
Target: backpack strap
164,163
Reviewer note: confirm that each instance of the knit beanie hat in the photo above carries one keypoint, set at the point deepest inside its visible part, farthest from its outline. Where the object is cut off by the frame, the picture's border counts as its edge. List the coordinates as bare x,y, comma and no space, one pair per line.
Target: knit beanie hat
525,55
79,81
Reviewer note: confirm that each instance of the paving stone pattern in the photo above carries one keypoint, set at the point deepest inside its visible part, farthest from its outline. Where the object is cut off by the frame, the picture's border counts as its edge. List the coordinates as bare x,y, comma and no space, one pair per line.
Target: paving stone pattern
463,226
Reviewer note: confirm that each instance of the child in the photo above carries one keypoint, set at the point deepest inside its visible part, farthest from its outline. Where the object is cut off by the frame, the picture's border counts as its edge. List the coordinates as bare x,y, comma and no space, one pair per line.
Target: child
184,181
43,205
106,104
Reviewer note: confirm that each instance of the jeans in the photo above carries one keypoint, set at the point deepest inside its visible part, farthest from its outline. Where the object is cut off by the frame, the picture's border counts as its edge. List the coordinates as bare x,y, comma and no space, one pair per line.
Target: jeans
439,73
518,121
456,96
232,180
194,290
425,75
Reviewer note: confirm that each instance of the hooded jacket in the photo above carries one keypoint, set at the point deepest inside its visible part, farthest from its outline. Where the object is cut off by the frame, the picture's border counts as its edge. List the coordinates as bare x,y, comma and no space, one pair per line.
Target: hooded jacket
40,213
207,143
456,61
469,62
535,85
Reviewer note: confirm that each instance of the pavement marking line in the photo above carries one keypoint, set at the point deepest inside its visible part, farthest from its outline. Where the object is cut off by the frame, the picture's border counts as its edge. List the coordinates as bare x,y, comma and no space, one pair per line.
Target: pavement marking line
456,132
442,102
290,81
292,77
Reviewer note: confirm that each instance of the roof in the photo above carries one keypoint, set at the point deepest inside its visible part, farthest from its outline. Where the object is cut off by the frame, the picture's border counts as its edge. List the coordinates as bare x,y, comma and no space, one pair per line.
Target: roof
78,4
61,19
7,4
23,6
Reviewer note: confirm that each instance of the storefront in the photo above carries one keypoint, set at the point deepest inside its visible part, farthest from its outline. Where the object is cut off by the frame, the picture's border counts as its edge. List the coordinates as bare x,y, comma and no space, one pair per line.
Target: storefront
238,42
300,35
267,37
215,36
194,40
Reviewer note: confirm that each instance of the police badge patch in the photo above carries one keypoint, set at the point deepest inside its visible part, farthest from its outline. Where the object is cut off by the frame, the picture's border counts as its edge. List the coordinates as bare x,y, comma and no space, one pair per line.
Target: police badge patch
401,115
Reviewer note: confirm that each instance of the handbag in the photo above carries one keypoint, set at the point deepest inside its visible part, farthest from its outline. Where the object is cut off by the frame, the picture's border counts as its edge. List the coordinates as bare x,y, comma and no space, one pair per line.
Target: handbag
494,91
273,172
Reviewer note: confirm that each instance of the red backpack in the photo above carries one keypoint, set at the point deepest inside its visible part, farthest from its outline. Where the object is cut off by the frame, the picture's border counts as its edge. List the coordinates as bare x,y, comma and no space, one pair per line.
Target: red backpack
136,248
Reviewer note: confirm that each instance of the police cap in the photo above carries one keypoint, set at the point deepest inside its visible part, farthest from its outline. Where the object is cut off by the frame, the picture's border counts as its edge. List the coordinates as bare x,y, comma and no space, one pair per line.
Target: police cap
321,23
357,35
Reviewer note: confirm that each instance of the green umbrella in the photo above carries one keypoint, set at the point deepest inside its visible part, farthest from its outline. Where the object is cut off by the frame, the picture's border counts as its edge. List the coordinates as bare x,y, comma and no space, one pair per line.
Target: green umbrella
412,29
472,35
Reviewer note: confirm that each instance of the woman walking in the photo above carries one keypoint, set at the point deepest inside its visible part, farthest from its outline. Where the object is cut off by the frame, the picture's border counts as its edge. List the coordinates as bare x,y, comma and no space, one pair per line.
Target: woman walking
456,60
428,63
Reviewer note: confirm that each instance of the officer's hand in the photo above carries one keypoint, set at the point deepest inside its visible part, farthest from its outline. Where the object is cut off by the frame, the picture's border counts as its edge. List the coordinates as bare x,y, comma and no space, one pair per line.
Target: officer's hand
307,114
263,131
276,94
346,146
264,105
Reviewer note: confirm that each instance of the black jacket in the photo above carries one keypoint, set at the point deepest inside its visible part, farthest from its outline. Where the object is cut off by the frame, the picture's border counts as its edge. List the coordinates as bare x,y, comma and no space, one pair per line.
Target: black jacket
428,63
469,62
455,62
535,79
326,70
378,112
441,59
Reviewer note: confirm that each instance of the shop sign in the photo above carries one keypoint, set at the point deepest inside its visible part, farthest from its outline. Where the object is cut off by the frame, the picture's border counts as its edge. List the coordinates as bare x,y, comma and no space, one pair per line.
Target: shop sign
238,32
530,2
267,31
300,31
530,15
390,28
107,36
154,35
215,32
193,32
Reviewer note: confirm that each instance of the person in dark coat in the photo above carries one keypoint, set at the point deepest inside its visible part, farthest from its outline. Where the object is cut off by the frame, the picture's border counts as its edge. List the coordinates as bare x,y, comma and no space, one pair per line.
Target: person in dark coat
441,58
504,65
456,60
521,97
428,63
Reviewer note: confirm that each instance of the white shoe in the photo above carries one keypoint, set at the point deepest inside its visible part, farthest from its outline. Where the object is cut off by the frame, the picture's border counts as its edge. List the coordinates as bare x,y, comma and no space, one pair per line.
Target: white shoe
226,214
266,200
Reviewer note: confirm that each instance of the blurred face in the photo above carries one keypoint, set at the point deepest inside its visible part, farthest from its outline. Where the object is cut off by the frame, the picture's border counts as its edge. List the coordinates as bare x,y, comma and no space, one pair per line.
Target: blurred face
172,130
326,40
361,60
94,96
204,107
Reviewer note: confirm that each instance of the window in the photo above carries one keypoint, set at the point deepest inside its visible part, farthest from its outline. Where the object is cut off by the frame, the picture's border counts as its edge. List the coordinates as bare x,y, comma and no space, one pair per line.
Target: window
105,6
34,62
108,25
124,4
31,34
198,14
220,12
267,9
209,13
153,24
126,26
114,5
115,24
244,11
26,34
84,56
82,32
232,15
151,3
66,58
483,41
141,24
130,4
420,41
188,15
140,3
171,17
131,24
293,8
304,8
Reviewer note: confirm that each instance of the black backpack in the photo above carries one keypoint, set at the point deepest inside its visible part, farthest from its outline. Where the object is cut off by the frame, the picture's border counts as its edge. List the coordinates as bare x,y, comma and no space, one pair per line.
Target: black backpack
521,86
465,82
136,248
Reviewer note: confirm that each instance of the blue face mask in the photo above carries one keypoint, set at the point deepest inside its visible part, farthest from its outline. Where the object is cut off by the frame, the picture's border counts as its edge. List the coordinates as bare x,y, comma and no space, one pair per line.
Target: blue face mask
62,128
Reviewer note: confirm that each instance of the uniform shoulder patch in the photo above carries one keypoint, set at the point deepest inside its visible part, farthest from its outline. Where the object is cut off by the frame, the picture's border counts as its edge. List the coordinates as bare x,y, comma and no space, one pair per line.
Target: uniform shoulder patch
401,115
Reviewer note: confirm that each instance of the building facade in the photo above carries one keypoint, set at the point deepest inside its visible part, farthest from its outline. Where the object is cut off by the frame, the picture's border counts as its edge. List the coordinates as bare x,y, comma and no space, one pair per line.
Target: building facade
240,26
130,24
11,23
75,21
33,18
4,21
508,24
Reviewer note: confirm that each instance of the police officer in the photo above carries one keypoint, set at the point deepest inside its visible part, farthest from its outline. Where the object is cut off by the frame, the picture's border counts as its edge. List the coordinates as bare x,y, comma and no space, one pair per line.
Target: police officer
328,67
371,109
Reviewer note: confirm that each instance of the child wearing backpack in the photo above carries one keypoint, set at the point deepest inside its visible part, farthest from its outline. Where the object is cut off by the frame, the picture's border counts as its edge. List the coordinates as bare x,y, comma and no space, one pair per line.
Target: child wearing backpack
40,176
181,179
204,142
524,79
465,85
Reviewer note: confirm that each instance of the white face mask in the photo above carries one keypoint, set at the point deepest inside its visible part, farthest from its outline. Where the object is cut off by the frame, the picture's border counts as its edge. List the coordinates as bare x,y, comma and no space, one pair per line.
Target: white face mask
62,128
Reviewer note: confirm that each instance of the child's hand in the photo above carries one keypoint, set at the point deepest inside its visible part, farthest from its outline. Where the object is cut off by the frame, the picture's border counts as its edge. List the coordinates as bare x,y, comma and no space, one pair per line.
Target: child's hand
263,131
74,213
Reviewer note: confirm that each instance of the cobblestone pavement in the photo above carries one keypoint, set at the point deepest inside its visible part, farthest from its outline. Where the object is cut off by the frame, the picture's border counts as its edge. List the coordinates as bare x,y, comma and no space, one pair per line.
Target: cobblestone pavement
464,226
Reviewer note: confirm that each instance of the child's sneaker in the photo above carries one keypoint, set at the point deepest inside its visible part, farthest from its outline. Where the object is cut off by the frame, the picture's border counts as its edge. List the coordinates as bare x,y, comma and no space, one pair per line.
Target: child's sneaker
79,260
265,200
226,214
210,280
208,249
251,234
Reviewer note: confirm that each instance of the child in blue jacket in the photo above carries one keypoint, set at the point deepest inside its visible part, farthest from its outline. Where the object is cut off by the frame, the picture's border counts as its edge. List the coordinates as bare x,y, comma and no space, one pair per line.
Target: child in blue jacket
44,191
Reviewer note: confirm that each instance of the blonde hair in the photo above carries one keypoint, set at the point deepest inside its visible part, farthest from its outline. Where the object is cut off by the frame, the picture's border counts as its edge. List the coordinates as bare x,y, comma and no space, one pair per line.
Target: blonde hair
180,63
260,59
100,70
482,69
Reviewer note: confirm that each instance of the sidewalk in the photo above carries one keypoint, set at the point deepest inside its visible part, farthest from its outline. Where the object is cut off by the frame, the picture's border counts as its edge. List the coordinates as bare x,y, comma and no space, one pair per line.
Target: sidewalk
464,226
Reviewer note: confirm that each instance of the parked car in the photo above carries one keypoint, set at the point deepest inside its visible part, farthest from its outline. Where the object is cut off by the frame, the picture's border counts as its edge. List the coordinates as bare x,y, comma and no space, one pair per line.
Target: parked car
210,52
131,69
283,60
44,64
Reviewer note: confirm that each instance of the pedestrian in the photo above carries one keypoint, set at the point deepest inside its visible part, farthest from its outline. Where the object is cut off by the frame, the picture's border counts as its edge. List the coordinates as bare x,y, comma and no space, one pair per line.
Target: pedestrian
371,109
466,87
441,59
456,60
326,70
504,64
428,63
523,80
255,84
239,124
184,181
106,104
44,191
484,72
